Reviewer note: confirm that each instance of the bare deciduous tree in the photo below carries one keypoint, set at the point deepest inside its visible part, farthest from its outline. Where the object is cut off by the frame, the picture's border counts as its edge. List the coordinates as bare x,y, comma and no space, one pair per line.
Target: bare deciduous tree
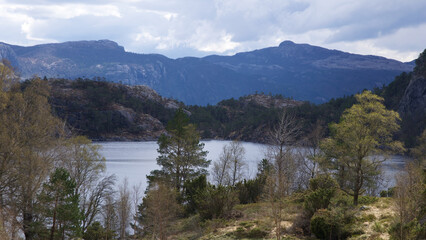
84,162
124,206
228,170
282,154
86,166
109,213
137,197
409,196
310,155
159,208
93,200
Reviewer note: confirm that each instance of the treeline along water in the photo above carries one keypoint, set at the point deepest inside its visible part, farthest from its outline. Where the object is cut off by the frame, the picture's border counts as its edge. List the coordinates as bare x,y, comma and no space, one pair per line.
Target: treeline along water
135,160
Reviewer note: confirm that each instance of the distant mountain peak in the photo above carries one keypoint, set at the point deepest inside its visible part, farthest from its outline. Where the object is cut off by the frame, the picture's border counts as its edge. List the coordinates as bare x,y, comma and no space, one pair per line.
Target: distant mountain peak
301,71
286,43
104,43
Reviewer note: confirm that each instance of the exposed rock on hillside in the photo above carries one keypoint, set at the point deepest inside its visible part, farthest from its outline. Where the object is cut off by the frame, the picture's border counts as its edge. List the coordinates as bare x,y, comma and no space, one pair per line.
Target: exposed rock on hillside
269,101
414,100
110,111
413,104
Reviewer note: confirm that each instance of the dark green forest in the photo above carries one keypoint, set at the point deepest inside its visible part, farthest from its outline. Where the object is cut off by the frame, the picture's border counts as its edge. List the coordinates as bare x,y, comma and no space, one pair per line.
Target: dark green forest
92,112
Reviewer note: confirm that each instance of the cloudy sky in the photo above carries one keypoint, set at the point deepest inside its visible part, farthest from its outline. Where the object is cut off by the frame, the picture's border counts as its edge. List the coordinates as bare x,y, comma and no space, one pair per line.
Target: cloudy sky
176,28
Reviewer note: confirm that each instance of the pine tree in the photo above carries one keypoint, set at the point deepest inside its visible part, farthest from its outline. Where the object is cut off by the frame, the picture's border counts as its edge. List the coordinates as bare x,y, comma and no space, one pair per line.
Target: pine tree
181,154
60,205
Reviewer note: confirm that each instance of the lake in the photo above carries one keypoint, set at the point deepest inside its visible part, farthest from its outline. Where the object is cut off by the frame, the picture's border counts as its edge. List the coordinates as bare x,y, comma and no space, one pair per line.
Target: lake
135,160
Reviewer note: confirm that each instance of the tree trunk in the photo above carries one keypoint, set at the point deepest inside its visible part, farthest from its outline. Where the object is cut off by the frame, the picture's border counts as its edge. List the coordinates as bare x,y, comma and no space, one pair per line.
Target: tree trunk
28,219
356,198
358,182
52,231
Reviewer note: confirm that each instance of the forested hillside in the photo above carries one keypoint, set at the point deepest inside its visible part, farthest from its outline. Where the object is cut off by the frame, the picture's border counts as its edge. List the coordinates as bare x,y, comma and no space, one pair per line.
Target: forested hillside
108,111
112,111
54,186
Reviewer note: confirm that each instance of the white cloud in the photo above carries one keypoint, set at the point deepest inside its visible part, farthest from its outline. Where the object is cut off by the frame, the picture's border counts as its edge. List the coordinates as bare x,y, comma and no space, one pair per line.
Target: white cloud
179,28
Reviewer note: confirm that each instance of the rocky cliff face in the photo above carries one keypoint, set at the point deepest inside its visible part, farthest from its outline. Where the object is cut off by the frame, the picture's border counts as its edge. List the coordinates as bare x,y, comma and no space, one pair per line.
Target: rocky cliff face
302,71
413,103
414,100
412,106
269,101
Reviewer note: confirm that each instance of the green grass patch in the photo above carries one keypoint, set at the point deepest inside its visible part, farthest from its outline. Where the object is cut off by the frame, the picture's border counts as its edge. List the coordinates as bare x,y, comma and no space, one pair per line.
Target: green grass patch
378,227
367,200
367,218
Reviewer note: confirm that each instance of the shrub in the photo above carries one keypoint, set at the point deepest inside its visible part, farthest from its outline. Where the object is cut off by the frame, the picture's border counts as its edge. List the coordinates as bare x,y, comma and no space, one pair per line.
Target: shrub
387,193
337,223
215,202
377,227
249,191
97,231
410,231
367,200
324,226
254,233
368,218
192,189
322,190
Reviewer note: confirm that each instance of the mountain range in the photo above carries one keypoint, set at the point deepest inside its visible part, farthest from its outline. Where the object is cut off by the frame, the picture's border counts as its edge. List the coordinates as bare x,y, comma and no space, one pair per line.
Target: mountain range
299,71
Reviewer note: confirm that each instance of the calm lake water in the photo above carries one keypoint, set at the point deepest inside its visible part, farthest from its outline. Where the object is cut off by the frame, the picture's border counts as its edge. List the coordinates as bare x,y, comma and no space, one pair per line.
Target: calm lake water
135,160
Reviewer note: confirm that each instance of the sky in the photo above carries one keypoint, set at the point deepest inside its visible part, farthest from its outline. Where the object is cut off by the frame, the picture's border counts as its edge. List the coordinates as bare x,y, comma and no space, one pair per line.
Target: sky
177,28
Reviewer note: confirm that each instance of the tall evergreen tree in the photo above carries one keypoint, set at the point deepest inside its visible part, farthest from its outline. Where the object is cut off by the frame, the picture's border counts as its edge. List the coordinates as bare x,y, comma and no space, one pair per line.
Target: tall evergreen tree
181,154
60,205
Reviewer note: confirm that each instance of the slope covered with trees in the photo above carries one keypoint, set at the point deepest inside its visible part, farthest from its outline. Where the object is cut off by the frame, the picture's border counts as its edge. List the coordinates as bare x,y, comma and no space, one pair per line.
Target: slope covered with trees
53,184
108,111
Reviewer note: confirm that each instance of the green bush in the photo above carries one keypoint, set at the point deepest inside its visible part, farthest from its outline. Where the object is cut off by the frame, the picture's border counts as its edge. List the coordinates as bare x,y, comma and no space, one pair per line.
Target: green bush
387,193
254,233
338,223
322,190
367,200
377,227
192,189
324,225
341,199
215,202
410,231
97,232
249,191
368,218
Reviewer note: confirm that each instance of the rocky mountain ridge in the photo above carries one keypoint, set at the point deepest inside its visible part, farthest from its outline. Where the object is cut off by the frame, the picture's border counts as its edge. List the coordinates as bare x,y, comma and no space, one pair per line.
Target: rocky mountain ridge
301,71
269,101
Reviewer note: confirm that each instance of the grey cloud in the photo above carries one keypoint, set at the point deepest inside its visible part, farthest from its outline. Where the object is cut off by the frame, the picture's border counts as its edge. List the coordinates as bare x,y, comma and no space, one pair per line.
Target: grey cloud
79,28
56,2
186,27
374,19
